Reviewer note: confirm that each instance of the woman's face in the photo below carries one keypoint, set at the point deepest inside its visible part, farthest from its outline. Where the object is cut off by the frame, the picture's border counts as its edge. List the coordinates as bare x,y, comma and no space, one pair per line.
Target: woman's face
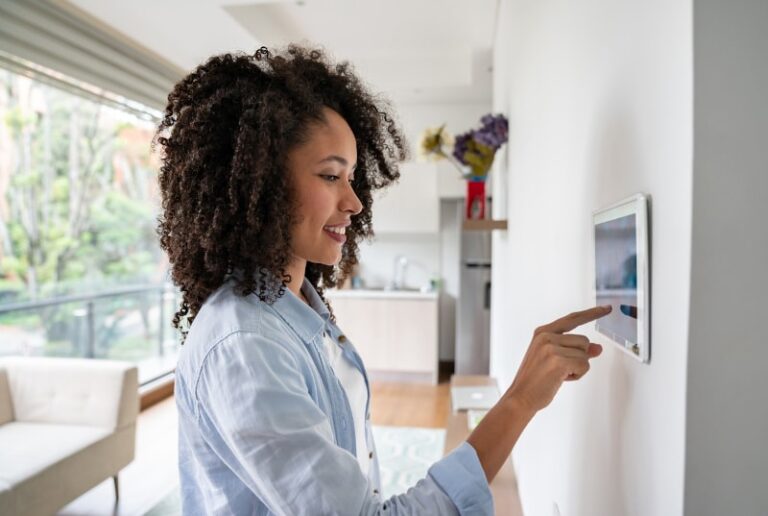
321,171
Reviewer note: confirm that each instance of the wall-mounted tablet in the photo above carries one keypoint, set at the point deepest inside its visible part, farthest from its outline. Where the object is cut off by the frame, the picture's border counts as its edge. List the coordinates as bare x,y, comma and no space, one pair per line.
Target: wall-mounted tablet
622,274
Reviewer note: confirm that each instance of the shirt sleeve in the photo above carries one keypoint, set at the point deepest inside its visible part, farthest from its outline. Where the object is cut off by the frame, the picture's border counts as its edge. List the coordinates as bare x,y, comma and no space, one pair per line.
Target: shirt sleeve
254,409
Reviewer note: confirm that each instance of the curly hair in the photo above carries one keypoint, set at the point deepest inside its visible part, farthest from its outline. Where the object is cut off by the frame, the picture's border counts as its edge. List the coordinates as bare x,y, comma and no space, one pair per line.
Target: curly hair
226,197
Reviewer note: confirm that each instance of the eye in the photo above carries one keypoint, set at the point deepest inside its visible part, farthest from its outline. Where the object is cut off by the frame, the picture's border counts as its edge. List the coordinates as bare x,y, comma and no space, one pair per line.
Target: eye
330,178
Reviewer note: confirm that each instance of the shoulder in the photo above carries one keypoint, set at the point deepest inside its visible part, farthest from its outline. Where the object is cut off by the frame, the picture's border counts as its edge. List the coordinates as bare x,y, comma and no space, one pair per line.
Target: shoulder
232,332
226,313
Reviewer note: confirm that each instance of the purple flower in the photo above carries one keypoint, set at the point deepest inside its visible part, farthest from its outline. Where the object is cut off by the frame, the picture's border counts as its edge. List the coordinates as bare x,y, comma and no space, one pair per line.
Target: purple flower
461,146
494,131
476,148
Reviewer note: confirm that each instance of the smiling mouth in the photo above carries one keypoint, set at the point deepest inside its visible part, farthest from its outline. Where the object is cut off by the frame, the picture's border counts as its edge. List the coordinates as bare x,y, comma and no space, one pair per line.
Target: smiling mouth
337,233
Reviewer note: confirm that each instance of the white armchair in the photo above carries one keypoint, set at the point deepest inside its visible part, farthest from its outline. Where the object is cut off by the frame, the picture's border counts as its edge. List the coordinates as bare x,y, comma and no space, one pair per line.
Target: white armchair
65,426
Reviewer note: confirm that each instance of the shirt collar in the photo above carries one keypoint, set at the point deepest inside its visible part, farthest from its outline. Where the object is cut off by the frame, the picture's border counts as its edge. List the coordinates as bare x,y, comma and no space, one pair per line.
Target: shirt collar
305,320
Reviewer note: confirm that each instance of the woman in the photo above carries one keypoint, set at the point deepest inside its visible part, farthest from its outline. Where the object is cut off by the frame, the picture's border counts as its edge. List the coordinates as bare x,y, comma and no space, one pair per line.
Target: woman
268,168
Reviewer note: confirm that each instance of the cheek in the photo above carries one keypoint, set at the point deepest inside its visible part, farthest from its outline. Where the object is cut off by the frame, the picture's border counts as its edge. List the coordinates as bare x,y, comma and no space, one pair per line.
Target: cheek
312,216
315,208
308,213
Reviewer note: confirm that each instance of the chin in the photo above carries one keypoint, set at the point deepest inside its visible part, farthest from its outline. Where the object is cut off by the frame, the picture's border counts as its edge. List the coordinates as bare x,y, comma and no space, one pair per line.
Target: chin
330,260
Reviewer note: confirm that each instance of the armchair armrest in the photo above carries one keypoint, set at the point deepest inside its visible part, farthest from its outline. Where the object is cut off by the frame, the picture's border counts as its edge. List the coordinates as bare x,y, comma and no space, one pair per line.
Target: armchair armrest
102,393
6,407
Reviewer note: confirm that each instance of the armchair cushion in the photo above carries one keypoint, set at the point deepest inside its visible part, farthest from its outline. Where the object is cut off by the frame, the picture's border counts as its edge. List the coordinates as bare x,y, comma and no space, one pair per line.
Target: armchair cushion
37,445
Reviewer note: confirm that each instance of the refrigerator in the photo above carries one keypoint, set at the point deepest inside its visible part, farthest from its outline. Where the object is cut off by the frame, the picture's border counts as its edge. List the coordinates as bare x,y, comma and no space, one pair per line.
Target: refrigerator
473,306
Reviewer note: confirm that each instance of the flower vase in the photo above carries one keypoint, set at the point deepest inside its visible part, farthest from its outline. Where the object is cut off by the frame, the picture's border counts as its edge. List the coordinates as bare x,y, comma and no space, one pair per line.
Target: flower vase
475,200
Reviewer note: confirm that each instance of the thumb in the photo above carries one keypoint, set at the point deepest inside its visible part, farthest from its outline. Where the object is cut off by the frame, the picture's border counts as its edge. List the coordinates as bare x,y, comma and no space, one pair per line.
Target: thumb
594,350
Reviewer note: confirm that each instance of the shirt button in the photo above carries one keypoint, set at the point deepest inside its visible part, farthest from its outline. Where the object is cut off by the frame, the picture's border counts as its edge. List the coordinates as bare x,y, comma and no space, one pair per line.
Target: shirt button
342,339
375,491
370,455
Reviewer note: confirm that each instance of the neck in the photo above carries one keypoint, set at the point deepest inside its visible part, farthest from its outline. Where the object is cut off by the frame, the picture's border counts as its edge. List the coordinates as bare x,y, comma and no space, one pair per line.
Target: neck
296,269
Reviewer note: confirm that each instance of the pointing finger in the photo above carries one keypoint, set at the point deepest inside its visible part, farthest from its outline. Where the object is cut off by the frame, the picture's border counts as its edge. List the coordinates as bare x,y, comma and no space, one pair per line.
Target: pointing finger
572,321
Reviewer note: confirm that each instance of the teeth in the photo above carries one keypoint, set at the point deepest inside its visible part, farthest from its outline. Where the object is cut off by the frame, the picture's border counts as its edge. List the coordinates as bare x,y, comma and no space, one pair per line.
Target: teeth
338,231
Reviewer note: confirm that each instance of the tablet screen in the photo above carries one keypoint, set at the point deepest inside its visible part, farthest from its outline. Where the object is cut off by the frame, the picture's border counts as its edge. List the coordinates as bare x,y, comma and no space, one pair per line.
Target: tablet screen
616,276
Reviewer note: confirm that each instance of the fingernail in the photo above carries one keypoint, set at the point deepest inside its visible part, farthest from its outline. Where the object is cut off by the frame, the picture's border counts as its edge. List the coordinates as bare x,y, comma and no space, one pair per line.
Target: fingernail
606,307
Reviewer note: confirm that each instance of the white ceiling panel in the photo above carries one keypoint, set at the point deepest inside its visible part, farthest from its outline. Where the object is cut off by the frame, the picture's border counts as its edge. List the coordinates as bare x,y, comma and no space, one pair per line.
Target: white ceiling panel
411,50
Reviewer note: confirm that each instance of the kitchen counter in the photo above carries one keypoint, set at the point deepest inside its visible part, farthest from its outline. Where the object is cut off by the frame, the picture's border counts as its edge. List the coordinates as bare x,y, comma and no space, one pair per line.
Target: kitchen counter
379,294
395,331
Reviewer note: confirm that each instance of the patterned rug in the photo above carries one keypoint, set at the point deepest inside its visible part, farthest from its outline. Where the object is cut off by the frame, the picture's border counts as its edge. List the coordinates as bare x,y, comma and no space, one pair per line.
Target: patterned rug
405,455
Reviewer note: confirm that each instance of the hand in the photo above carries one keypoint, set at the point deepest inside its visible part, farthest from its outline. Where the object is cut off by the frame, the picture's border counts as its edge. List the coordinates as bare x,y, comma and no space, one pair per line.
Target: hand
553,357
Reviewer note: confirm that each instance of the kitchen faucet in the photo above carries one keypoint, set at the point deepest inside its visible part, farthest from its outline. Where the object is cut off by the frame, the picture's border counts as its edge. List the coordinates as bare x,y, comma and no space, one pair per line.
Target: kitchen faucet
398,275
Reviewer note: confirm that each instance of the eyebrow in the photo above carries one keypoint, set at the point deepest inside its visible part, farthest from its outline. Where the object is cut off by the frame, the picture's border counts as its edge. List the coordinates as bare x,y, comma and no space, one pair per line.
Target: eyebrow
337,159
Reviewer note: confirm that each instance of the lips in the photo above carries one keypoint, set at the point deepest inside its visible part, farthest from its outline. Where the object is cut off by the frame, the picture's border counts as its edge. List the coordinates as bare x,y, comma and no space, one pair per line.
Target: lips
336,232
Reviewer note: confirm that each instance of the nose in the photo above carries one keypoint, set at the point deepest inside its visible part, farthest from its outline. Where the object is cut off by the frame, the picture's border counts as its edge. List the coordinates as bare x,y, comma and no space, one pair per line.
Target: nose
351,202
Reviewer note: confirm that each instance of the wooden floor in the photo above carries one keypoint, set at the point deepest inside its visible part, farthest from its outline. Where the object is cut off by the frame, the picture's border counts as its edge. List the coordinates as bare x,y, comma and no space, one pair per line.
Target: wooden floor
148,478
154,470
399,404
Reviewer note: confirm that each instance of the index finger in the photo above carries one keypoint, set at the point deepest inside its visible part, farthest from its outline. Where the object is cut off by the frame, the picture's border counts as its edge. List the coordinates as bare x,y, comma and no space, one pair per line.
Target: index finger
575,319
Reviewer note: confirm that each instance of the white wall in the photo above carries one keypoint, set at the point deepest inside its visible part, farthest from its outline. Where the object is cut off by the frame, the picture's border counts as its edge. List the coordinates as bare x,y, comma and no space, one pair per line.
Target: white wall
599,97
377,258
727,413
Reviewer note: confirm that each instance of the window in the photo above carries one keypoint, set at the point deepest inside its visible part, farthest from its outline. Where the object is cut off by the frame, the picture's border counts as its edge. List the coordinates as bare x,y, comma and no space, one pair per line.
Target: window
81,272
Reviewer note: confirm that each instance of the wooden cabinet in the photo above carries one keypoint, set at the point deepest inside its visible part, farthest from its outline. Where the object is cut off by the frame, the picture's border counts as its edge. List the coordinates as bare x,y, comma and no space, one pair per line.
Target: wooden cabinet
396,335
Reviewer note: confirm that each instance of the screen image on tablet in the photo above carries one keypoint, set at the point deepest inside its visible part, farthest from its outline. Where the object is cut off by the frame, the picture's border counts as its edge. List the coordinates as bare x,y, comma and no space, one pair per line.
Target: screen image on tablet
621,274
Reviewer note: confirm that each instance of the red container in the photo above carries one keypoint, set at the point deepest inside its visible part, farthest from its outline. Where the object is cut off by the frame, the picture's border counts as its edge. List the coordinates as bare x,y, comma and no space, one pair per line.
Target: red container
475,199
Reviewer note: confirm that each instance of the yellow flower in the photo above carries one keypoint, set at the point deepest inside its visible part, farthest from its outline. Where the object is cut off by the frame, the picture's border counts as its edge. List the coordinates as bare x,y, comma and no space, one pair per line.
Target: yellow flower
479,157
433,142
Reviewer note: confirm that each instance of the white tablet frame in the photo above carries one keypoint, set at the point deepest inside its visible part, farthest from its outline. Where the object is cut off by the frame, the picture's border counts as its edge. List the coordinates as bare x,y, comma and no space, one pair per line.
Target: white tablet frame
636,205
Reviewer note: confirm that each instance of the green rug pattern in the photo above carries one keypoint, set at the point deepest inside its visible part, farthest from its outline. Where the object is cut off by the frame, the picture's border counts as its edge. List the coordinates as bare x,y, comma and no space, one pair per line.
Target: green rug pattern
405,455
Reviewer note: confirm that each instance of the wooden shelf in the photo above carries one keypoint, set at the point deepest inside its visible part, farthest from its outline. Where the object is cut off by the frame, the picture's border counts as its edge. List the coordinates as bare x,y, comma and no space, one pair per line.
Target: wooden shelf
484,224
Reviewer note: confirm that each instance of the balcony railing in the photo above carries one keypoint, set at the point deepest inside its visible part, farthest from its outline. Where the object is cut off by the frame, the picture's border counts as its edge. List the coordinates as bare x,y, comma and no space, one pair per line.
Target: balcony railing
130,323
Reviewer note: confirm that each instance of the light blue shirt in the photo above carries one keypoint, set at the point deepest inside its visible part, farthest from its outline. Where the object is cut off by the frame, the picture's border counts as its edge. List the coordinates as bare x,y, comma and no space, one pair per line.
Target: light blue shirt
265,426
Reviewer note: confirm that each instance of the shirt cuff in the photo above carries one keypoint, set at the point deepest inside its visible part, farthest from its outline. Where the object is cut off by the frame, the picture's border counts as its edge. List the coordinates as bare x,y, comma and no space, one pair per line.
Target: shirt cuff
460,475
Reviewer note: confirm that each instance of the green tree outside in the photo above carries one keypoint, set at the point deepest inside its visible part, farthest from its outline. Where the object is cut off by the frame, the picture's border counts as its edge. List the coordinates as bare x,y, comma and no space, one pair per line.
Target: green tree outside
78,205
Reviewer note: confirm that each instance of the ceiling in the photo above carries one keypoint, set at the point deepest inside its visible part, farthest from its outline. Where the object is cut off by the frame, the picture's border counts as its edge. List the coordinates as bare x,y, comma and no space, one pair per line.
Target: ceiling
411,50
